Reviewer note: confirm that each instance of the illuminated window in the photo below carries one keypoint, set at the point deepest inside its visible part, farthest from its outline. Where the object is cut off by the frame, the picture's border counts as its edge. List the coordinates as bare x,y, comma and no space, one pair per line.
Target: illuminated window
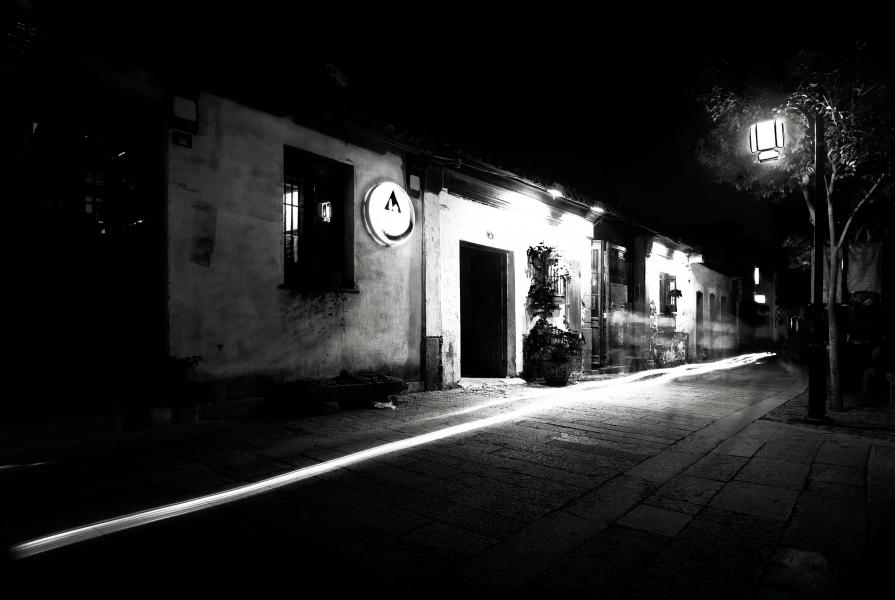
668,293
318,210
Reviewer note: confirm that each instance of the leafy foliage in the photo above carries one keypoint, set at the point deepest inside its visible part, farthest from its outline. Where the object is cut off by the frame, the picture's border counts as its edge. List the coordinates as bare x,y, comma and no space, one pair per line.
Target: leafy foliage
848,92
852,99
797,253
546,342
542,261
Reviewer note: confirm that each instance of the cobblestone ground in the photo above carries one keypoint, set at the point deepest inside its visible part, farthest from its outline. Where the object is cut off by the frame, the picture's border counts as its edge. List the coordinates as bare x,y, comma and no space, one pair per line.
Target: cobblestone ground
674,490
872,417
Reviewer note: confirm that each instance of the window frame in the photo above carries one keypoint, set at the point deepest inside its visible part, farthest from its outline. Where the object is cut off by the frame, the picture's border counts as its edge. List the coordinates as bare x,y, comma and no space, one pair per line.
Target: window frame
301,166
667,283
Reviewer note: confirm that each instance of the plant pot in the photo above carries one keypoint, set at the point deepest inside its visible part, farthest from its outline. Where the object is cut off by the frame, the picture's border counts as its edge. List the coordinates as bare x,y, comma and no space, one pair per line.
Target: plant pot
556,373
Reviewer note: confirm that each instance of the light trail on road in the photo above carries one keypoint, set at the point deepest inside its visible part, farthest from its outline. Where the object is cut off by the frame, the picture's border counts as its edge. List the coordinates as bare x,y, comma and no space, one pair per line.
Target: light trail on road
645,379
544,401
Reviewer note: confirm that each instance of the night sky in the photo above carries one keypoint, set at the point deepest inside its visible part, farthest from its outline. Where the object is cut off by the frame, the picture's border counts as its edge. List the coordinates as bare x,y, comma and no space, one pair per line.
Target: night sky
604,106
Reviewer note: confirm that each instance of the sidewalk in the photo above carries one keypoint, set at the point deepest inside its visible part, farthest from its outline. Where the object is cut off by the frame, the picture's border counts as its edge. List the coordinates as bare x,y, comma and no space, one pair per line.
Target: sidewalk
668,489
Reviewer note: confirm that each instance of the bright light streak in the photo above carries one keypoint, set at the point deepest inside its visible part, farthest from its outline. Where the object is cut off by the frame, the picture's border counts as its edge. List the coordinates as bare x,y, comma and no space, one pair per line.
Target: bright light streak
551,398
756,276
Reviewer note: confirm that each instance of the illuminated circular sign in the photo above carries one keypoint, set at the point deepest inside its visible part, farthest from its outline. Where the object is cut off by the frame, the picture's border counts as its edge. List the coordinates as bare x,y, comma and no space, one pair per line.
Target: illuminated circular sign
389,214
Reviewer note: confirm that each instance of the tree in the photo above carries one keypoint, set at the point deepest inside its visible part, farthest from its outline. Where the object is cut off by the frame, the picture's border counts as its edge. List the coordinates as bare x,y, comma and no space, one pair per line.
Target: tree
853,96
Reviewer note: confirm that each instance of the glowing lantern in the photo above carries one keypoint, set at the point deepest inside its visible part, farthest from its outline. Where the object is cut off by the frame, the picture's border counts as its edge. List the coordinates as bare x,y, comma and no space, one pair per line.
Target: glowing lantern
766,139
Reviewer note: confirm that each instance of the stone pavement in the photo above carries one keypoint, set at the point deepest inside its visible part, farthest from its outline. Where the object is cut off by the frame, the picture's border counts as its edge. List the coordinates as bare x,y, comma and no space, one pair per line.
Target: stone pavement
642,490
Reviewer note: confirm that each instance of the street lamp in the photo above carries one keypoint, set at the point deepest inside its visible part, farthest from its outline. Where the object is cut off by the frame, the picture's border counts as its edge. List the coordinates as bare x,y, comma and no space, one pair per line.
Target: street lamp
766,141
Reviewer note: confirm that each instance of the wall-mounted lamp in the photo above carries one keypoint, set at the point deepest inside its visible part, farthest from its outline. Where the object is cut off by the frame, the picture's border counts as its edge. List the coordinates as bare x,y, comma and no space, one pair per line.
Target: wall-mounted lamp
325,211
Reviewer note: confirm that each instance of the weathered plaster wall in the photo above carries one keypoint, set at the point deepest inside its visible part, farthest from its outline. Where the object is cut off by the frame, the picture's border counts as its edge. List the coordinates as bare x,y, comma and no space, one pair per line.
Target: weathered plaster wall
686,305
720,335
512,230
226,259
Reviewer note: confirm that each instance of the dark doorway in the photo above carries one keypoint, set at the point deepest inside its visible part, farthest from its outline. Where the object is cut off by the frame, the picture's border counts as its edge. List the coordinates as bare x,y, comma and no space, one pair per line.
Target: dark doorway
483,311
92,200
700,316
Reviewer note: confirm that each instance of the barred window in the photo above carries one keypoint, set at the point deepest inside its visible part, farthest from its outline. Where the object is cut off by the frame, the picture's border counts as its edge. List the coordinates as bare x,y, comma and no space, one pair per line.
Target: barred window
318,218
668,293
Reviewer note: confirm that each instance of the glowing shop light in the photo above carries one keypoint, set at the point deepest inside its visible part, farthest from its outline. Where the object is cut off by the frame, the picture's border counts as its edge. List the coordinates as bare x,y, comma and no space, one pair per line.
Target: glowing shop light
756,276
558,397
760,298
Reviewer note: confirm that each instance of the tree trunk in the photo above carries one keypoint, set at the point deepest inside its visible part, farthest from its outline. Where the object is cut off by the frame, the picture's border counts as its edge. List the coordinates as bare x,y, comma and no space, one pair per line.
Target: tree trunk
835,387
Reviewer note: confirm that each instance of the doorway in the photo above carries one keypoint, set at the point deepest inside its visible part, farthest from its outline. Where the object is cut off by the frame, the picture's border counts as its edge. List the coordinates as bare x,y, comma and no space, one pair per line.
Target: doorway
700,343
95,294
483,311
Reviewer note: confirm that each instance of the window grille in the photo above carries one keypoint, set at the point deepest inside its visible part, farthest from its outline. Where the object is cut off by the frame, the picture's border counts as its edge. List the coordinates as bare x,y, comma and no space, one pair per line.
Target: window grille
318,222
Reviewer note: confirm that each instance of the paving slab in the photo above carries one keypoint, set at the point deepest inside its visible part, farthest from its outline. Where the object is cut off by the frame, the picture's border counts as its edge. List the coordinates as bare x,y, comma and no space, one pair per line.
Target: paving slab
611,500
663,466
516,561
776,473
722,467
694,490
605,566
837,474
725,547
844,452
831,527
652,519
755,499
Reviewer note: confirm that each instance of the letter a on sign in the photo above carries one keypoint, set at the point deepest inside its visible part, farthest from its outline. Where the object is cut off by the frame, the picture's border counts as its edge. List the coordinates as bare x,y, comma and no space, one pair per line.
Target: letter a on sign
392,201
388,214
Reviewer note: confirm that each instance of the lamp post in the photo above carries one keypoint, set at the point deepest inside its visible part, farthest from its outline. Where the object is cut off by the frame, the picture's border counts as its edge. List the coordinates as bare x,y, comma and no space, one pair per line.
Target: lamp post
766,141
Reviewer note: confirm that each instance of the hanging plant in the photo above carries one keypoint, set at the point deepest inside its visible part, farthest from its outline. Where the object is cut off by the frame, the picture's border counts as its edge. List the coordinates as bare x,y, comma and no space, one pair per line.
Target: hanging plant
546,343
545,273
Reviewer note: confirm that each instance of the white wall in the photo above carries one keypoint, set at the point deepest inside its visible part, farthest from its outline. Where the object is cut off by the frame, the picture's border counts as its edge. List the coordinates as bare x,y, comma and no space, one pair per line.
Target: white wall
233,312
686,305
510,229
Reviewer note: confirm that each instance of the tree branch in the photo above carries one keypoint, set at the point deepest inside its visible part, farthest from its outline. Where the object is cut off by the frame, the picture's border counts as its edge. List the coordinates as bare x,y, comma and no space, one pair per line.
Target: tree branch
831,183
857,208
808,203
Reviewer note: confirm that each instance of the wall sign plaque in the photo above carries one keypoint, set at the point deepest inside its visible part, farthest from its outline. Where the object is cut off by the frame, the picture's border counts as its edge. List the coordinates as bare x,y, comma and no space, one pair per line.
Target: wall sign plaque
389,214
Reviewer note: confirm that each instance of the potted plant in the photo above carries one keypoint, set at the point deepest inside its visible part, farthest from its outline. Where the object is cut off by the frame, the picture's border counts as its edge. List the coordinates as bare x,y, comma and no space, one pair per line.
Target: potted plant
547,350
558,365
